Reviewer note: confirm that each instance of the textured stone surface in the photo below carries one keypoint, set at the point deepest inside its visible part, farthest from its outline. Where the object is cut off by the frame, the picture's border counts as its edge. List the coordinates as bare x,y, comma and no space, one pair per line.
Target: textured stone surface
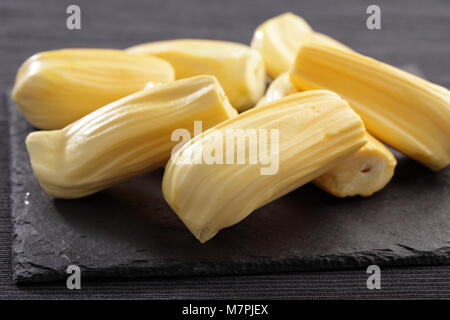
129,231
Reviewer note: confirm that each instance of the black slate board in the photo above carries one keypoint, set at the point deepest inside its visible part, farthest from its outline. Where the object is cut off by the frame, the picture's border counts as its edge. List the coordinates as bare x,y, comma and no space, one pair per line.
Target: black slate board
129,231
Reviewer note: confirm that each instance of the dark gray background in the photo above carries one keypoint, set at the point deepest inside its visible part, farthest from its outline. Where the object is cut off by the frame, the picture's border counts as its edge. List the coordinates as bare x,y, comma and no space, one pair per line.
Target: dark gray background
414,34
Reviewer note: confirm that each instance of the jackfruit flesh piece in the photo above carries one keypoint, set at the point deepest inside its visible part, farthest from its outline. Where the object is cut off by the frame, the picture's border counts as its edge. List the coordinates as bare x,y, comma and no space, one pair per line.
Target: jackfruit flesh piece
405,111
280,87
54,88
362,173
125,138
239,69
316,129
279,38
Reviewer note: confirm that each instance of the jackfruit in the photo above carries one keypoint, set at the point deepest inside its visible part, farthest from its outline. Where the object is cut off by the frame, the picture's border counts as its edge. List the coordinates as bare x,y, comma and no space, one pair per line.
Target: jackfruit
239,69
55,88
403,110
310,132
125,138
279,38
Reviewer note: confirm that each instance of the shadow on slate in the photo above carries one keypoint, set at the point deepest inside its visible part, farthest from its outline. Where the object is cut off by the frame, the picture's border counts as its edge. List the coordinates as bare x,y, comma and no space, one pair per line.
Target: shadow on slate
129,231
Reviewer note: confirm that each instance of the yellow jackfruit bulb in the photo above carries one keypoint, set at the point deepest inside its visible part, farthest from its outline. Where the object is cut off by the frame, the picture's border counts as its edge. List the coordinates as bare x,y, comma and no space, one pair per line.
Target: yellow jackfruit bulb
279,38
409,113
280,87
362,173
55,88
239,69
128,137
221,176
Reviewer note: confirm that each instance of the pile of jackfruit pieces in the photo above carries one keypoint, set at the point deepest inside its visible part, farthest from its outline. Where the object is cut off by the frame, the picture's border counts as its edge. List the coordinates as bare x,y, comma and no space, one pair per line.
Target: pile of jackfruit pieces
108,115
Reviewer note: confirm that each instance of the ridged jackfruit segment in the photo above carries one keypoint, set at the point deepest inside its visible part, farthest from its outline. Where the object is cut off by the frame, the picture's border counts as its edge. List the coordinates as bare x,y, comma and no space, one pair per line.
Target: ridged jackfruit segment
55,88
362,173
407,112
326,40
125,138
316,129
279,38
239,69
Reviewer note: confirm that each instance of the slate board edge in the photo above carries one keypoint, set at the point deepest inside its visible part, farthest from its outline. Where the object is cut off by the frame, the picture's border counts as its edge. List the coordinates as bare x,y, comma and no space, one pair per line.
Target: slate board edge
22,266
381,258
